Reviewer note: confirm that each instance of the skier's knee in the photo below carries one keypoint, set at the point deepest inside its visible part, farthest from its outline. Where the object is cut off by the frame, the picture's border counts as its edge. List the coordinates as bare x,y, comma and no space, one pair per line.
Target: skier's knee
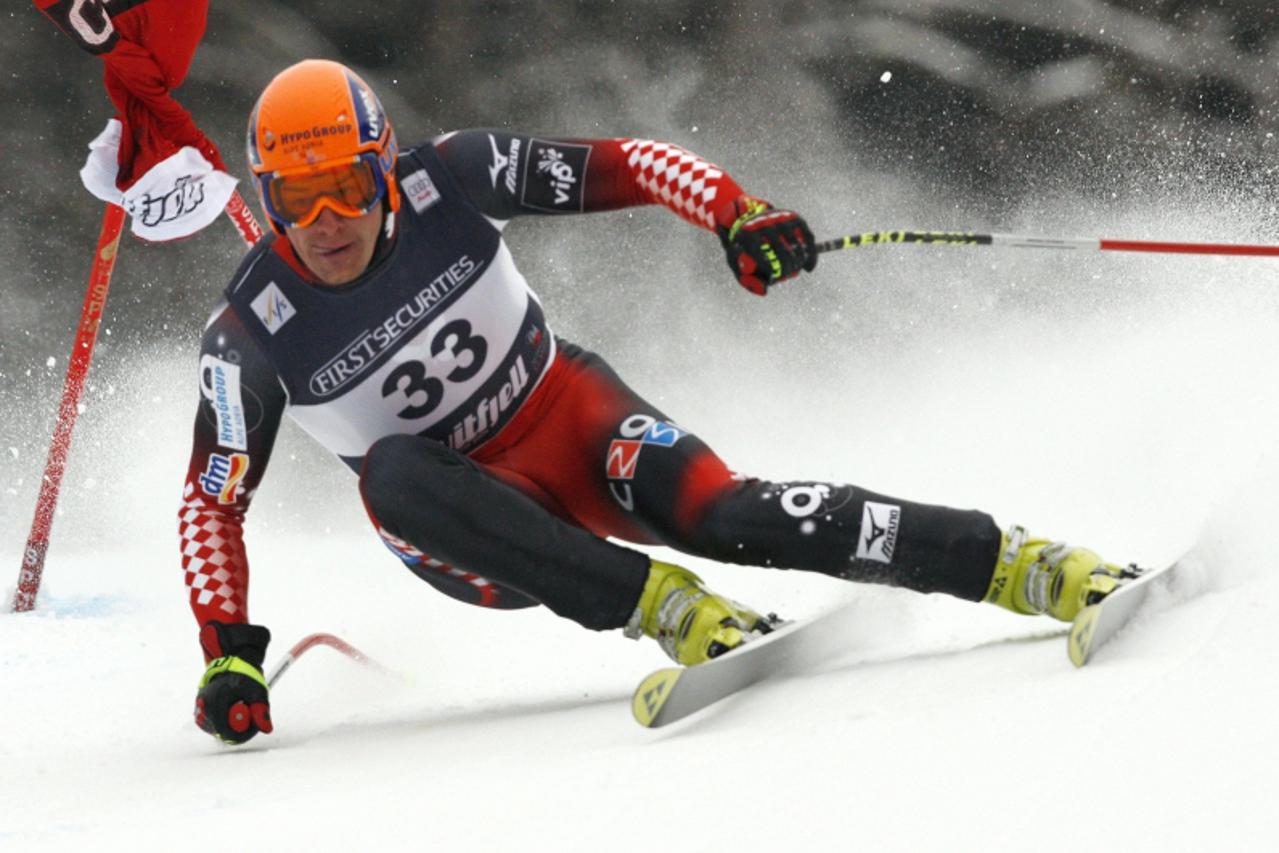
406,473
715,539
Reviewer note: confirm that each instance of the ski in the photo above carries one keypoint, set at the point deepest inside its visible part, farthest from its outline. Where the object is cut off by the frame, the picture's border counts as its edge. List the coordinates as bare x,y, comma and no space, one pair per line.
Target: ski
674,693
1097,623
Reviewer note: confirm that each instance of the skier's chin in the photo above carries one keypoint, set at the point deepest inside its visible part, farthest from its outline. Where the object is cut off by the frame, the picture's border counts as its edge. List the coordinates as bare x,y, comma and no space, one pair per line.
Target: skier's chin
336,266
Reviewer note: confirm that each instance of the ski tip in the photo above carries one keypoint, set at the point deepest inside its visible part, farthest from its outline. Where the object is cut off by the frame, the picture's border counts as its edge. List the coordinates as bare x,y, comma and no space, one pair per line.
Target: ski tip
651,695
1081,634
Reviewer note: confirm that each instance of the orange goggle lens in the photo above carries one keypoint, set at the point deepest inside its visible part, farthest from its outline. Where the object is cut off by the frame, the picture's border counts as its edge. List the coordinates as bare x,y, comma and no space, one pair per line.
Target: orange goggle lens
351,189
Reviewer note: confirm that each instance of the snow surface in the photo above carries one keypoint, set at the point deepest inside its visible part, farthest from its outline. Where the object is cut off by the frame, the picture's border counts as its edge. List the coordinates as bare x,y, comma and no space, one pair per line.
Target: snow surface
1128,404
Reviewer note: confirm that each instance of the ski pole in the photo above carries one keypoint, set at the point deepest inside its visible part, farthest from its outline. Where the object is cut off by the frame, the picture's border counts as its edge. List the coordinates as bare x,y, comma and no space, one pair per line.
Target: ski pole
73,385
311,641
969,238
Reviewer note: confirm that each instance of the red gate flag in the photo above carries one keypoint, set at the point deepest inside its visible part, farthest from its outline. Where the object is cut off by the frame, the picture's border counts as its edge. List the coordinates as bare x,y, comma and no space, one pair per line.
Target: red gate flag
151,159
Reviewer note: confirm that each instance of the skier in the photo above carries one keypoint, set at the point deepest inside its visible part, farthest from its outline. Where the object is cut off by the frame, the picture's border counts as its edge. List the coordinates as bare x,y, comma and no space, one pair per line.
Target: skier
386,315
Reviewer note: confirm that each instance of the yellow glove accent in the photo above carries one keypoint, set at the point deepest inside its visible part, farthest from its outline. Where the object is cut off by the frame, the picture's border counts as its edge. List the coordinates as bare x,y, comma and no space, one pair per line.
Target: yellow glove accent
753,207
231,663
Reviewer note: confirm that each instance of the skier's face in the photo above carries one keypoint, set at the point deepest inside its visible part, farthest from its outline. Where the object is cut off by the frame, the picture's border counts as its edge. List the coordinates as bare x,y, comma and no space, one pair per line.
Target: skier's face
337,248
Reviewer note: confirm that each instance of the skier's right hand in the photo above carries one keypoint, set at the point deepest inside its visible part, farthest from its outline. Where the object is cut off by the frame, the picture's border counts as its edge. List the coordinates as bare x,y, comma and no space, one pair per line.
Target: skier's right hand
232,703
765,245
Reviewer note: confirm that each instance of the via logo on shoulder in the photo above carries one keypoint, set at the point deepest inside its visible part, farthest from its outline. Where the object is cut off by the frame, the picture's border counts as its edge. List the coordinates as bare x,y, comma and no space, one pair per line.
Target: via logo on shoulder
554,175
363,352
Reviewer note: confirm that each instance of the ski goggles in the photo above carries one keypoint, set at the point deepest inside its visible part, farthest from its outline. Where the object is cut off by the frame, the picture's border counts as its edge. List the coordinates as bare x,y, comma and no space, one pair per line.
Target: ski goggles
349,189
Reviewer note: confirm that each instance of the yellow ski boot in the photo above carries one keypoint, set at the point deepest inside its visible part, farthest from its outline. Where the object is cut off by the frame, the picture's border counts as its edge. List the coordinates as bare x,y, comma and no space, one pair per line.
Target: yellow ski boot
1034,576
691,623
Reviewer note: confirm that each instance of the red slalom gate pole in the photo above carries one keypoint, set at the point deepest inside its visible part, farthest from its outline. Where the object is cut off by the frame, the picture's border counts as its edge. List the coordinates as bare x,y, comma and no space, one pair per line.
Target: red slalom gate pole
95,299
242,218
73,386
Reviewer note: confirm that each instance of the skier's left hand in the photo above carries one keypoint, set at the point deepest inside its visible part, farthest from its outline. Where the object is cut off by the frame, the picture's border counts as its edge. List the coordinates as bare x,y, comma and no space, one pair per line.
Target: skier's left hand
233,703
765,245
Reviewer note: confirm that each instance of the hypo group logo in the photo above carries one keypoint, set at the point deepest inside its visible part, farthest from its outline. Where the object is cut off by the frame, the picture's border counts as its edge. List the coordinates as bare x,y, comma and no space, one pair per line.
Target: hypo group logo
220,385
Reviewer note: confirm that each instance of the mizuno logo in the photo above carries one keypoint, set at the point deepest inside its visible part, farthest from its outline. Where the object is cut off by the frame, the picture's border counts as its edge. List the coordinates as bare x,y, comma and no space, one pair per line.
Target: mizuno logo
875,531
877,539
500,161
508,163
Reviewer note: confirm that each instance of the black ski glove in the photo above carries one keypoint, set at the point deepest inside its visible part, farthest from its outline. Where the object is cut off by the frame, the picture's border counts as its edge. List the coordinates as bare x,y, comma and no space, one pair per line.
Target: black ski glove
765,245
232,703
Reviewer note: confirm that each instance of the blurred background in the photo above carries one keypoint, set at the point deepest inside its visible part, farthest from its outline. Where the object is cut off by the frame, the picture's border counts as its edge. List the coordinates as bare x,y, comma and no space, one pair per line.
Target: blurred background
1125,402
1116,118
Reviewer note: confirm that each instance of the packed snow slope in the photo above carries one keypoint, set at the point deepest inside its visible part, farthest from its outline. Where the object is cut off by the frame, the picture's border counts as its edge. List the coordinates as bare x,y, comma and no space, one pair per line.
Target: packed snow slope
1125,403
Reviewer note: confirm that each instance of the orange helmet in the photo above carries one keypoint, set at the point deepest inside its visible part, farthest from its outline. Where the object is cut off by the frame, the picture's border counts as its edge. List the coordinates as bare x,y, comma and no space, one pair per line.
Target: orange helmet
318,137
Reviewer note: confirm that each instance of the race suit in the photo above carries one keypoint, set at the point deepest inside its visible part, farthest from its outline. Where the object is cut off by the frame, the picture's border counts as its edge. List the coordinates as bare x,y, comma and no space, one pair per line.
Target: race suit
493,458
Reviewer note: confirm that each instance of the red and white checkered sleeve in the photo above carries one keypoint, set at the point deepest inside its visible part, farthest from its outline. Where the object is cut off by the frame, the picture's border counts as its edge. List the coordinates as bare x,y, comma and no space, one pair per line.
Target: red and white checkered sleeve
647,171
215,565
240,404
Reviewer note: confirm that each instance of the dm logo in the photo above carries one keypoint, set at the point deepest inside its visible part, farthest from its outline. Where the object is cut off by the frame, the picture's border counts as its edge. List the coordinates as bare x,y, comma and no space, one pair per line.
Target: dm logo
223,474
